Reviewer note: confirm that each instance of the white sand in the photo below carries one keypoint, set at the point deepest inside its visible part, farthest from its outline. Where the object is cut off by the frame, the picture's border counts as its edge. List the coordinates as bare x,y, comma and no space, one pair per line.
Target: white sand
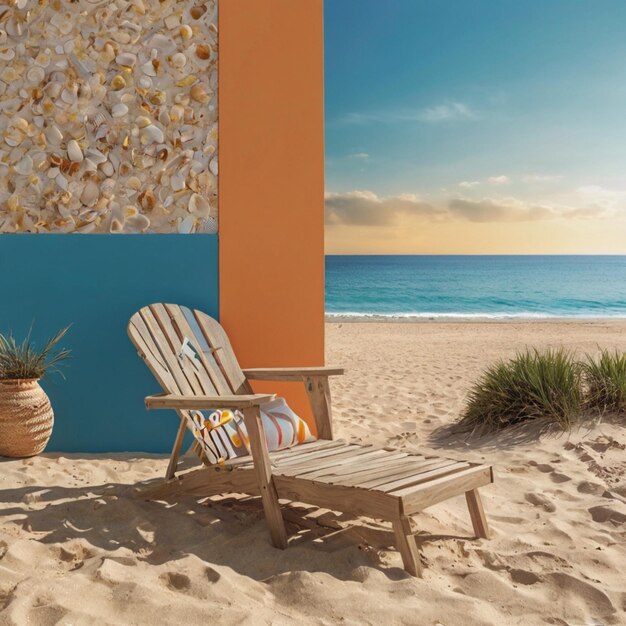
76,546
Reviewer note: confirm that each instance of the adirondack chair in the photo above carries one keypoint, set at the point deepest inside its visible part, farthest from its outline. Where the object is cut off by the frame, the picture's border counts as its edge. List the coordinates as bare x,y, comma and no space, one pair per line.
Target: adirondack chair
380,483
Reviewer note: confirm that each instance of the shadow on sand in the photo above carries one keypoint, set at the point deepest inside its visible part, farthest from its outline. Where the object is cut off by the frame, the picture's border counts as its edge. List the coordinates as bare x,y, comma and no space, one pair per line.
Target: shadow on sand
228,530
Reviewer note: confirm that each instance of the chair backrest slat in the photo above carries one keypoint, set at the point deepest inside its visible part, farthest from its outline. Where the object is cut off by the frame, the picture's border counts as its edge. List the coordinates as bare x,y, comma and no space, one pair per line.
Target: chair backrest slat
162,344
223,353
184,320
150,353
194,372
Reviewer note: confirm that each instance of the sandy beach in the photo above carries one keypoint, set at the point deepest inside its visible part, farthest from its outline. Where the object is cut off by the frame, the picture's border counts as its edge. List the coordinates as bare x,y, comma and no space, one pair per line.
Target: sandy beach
78,547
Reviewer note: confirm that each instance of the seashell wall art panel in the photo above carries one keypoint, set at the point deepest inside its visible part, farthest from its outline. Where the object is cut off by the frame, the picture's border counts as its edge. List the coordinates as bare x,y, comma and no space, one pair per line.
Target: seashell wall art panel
108,116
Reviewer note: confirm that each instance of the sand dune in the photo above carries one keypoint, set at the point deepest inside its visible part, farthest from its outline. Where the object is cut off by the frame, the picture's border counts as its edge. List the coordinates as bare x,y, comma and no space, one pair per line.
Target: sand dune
78,547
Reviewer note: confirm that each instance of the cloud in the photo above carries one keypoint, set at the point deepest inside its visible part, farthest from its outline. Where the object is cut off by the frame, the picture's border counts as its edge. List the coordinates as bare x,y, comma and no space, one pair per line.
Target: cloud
488,210
498,180
365,208
585,213
447,111
360,155
541,178
469,184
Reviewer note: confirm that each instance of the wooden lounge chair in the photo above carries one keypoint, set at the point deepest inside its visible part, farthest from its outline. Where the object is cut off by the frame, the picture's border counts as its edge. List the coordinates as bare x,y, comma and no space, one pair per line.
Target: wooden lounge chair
359,479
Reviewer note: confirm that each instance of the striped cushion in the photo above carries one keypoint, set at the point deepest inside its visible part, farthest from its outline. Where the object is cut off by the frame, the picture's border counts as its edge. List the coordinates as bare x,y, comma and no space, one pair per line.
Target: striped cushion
223,435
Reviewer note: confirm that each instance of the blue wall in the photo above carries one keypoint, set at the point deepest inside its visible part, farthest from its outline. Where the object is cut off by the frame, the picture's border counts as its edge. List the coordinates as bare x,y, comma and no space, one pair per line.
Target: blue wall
96,282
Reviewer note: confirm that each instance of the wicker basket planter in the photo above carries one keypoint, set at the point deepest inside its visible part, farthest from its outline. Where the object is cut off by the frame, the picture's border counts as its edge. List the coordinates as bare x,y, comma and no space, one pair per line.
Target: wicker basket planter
26,418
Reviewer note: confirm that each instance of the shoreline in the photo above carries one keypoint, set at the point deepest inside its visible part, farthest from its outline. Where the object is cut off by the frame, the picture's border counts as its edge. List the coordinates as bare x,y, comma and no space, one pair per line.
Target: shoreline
338,318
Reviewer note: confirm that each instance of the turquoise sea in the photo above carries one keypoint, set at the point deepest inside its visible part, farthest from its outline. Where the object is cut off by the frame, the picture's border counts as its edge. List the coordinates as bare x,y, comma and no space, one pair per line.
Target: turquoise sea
476,286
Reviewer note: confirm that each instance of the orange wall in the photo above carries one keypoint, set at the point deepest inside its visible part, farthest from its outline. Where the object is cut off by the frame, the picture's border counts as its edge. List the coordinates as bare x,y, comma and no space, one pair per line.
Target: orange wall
271,185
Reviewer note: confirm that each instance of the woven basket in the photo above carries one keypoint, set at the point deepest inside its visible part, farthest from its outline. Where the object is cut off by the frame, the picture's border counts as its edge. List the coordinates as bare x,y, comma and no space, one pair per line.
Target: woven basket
26,418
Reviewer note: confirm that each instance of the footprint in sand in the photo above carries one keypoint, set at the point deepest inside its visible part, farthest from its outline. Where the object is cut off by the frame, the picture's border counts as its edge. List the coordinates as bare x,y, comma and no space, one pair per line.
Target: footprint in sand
212,575
604,514
175,581
524,577
587,486
538,499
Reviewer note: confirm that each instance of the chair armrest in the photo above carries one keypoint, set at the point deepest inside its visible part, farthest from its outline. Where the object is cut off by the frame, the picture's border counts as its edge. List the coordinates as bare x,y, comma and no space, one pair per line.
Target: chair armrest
171,401
290,373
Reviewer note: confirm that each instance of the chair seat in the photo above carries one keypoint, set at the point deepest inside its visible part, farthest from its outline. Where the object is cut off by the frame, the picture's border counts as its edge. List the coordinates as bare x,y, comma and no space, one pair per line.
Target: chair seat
403,482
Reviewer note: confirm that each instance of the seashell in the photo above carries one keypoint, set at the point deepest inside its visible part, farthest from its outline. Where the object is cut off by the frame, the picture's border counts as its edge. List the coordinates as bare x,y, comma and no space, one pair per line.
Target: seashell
53,135
161,155
176,113
179,60
203,51
7,55
153,134
197,12
89,165
53,172
144,82
61,181
143,121
188,80
148,69
70,96
199,94
147,200
9,75
117,225
25,166
186,225
118,82
107,169
124,169
119,110
35,74
164,118
96,156
90,194
186,32
13,137
107,187
177,181
140,222
199,204
13,28
127,59
74,152
213,166
171,21
20,124
69,167
3,37
130,211
158,98
107,54
134,183
43,58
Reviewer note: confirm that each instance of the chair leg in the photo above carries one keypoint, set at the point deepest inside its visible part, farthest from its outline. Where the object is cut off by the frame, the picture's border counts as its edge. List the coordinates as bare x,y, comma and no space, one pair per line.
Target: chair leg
178,442
477,514
405,542
274,516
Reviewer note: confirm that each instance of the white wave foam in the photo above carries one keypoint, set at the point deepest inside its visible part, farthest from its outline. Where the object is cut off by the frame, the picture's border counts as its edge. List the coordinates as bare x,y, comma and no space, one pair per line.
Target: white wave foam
458,315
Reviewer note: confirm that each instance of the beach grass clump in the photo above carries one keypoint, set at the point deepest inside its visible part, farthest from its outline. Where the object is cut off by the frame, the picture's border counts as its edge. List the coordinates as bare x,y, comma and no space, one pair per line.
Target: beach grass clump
605,382
24,360
532,386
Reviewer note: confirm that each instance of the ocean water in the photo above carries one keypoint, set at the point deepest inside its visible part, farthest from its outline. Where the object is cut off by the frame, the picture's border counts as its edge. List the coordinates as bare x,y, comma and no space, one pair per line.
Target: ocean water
476,286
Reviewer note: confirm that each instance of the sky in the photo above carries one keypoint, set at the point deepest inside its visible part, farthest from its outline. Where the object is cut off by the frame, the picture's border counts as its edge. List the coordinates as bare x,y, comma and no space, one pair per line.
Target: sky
475,126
